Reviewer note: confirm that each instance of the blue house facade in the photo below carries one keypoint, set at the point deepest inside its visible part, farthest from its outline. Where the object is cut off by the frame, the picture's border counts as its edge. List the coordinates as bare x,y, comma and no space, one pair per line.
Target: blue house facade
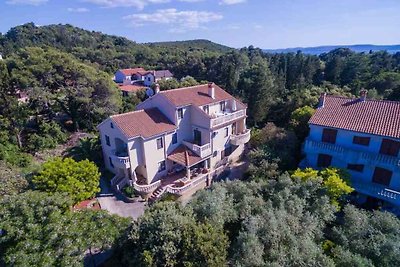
362,136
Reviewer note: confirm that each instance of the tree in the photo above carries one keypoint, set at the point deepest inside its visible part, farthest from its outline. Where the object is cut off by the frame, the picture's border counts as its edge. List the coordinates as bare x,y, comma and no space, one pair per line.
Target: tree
11,180
168,235
335,181
87,148
39,229
299,121
80,180
365,237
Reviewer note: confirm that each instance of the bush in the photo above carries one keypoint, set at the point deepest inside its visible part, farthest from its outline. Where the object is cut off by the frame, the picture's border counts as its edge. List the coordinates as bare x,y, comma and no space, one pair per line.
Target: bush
80,180
11,154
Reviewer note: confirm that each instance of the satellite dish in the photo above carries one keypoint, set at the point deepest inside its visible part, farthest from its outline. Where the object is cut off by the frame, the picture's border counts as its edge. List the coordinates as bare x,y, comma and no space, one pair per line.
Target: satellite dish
149,92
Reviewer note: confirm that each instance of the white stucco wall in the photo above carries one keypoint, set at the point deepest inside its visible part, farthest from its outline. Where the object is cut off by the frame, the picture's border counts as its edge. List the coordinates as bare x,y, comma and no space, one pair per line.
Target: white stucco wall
120,77
148,79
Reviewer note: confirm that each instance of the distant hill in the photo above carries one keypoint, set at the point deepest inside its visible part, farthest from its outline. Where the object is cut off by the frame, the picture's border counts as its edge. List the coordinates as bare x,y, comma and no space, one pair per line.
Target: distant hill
199,44
325,49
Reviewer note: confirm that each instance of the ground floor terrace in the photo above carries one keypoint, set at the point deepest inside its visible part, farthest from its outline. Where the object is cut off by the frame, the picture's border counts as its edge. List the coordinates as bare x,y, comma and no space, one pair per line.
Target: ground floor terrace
186,170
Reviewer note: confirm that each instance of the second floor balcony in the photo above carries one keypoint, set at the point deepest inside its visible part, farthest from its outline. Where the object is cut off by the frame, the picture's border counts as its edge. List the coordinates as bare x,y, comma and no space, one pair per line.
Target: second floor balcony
226,117
120,159
202,151
351,155
240,138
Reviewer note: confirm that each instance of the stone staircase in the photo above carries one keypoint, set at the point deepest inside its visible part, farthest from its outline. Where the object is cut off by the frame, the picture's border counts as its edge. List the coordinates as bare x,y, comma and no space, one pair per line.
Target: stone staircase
157,193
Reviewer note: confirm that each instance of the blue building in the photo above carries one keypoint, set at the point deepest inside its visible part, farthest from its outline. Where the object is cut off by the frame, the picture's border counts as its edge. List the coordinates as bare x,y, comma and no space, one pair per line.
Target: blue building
362,136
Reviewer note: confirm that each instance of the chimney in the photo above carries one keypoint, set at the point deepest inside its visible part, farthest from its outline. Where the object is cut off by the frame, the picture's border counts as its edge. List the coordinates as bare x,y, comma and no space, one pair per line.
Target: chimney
211,90
321,102
363,95
157,89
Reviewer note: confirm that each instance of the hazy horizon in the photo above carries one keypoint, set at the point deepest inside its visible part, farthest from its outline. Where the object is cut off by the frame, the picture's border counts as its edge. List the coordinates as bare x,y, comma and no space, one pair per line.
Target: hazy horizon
265,24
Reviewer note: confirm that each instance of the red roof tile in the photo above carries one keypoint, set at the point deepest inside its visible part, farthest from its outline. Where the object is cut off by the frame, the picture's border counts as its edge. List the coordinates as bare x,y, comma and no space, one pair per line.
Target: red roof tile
379,117
184,156
195,95
145,123
131,71
131,88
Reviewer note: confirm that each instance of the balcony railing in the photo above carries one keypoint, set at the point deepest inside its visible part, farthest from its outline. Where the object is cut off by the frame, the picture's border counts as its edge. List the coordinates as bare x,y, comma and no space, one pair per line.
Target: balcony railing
148,188
181,190
120,160
354,155
378,191
241,138
202,151
227,117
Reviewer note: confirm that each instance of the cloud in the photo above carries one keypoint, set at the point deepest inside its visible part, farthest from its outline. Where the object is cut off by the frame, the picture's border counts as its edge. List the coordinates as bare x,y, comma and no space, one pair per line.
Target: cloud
26,2
231,2
191,1
139,4
177,21
78,10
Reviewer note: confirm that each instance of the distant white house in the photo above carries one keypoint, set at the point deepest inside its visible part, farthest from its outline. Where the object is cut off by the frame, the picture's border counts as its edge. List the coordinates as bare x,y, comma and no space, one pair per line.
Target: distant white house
147,77
123,75
155,76
177,140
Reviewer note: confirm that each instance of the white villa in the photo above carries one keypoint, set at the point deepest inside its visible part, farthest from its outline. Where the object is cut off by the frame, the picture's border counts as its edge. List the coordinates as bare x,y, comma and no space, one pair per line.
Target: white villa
140,75
176,140
360,135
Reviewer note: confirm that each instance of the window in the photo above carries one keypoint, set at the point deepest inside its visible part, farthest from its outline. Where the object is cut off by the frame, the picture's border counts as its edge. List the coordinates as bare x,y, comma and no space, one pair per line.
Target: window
161,166
390,147
222,105
206,109
180,113
329,136
359,140
355,167
226,132
112,125
382,176
324,160
214,134
175,138
159,143
215,154
111,163
108,140
148,78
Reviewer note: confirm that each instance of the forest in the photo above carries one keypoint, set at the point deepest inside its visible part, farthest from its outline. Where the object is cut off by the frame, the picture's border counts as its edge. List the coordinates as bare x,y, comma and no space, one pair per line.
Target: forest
276,216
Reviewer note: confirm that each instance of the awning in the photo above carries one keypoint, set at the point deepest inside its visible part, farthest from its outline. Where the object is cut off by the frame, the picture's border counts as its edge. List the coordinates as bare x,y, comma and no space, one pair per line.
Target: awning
184,156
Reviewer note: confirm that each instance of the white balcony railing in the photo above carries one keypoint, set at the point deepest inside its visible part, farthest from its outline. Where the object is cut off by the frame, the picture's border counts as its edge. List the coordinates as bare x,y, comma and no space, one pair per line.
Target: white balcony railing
378,191
227,117
351,155
202,151
241,138
121,161
180,190
148,188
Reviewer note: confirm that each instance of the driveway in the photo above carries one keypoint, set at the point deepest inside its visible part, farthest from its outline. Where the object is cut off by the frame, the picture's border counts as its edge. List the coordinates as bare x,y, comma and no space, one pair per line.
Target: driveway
114,204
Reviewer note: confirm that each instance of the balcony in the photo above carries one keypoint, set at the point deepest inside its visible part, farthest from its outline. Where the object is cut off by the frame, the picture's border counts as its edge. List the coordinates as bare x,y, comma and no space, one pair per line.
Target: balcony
240,138
120,159
226,117
350,155
378,191
202,151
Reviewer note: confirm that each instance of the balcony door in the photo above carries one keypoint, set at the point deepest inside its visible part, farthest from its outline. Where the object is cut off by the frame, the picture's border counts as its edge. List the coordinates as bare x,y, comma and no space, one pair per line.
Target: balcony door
234,128
197,137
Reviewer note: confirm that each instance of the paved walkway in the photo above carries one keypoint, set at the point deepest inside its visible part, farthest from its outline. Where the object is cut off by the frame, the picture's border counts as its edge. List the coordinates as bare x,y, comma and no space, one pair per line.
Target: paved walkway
114,204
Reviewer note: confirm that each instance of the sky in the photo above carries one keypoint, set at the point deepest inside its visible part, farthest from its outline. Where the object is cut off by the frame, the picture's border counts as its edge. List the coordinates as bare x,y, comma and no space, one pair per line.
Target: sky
236,23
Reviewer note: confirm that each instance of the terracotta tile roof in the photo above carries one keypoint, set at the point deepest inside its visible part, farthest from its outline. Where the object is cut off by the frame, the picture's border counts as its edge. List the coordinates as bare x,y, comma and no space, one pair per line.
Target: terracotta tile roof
184,156
131,88
163,74
131,71
195,95
145,123
379,117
